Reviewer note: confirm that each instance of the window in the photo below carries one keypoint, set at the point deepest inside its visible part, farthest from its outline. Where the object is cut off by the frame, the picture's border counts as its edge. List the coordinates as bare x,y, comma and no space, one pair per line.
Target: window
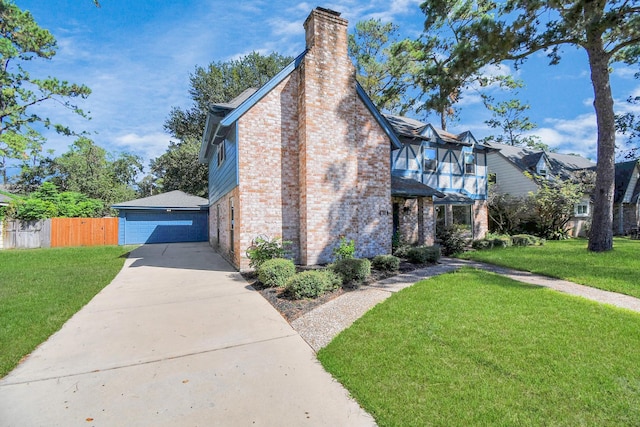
462,216
492,178
221,153
429,160
582,209
542,172
469,163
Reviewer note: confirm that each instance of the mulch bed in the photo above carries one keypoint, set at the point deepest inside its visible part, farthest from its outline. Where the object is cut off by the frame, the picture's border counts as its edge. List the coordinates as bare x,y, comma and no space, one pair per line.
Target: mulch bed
291,308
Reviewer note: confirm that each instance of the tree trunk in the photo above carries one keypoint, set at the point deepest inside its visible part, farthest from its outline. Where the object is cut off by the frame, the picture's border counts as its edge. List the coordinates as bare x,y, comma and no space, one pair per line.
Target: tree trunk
601,236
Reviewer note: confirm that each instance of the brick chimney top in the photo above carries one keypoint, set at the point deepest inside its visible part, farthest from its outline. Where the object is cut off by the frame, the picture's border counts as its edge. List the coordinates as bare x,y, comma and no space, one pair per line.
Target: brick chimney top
323,25
332,12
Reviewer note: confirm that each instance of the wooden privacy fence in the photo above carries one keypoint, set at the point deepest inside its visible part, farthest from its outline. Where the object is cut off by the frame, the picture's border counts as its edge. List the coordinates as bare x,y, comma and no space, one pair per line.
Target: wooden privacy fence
57,232
84,231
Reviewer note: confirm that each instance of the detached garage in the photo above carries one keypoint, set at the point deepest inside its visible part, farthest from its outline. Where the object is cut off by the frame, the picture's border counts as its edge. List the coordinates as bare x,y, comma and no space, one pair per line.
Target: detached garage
166,218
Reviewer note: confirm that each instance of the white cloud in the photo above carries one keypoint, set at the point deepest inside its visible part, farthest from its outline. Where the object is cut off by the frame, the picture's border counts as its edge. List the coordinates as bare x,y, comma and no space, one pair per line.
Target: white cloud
578,135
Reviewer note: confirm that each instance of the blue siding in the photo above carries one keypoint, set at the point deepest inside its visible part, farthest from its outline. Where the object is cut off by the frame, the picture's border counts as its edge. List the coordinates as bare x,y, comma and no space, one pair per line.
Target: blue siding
224,178
449,176
153,226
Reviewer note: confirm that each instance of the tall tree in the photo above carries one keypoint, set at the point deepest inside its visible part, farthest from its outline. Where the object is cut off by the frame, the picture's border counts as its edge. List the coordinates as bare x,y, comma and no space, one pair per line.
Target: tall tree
178,168
382,65
509,117
22,40
443,69
607,30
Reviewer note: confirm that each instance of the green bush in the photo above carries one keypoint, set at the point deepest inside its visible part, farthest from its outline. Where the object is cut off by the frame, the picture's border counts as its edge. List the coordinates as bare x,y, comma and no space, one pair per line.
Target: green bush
353,270
402,250
492,241
345,250
386,263
453,240
275,272
311,284
424,254
264,249
526,240
334,281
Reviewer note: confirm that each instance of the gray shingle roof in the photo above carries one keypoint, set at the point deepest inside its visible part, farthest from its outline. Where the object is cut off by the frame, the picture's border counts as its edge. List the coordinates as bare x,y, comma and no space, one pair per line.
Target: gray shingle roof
624,173
174,200
525,158
411,188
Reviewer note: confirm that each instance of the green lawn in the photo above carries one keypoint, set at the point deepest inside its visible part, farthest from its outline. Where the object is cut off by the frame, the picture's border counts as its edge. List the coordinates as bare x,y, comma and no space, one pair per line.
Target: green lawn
617,270
41,288
473,348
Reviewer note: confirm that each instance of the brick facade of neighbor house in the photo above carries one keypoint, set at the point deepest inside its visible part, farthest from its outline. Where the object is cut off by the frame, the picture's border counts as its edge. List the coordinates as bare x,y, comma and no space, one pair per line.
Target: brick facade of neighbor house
313,162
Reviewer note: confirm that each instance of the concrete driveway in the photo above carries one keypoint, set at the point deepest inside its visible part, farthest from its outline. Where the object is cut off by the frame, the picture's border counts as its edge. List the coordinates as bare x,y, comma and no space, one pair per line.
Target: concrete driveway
178,338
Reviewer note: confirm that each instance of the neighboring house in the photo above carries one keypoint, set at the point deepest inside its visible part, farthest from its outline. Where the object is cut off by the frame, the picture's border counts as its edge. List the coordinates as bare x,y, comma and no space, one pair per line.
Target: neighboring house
455,165
164,218
307,157
510,165
626,202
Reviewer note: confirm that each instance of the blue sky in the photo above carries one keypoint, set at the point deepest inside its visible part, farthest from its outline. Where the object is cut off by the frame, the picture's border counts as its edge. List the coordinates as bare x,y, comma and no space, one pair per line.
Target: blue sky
136,56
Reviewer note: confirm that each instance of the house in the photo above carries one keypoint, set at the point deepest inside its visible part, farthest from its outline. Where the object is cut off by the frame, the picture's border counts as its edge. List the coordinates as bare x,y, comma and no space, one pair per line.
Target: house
512,170
454,165
164,218
307,157
626,202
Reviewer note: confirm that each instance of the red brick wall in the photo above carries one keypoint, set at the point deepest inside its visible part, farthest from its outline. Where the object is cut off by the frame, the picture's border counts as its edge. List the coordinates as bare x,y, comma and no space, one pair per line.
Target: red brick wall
480,219
313,162
344,154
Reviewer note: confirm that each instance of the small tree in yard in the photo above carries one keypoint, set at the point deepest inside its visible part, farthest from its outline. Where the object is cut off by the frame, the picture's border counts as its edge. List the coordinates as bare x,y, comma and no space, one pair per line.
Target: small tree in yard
506,212
553,204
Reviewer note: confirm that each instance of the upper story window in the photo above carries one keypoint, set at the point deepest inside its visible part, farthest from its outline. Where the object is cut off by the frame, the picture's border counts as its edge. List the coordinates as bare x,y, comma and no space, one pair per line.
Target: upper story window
542,169
221,153
581,209
429,160
469,163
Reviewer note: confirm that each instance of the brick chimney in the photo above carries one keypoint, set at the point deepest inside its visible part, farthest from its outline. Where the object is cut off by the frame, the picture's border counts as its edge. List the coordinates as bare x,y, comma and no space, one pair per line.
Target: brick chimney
328,153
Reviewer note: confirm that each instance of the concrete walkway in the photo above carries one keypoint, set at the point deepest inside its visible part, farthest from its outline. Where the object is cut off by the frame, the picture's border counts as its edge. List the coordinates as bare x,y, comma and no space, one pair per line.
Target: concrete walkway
177,339
321,325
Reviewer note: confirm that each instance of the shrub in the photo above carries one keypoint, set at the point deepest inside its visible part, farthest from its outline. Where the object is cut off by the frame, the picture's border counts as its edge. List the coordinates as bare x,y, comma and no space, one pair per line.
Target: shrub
525,240
345,250
334,281
275,272
386,263
492,241
352,270
264,249
311,283
482,244
453,240
402,250
424,254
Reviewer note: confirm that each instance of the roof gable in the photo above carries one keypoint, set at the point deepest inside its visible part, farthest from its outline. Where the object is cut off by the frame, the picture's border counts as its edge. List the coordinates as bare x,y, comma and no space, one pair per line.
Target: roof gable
626,181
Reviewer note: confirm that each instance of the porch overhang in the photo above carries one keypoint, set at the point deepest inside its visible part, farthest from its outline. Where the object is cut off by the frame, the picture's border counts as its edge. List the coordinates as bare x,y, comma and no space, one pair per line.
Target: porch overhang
409,188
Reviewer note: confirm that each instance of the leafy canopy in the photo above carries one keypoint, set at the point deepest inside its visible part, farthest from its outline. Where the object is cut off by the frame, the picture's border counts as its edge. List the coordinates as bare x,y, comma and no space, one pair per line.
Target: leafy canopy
21,41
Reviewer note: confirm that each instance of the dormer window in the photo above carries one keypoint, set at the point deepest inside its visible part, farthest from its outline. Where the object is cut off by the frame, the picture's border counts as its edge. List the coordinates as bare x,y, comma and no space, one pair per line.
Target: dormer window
469,163
542,172
429,160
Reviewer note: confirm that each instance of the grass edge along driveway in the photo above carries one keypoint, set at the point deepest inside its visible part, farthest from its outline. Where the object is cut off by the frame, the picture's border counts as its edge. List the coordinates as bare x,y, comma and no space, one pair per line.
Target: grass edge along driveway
615,270
40,289
475,348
